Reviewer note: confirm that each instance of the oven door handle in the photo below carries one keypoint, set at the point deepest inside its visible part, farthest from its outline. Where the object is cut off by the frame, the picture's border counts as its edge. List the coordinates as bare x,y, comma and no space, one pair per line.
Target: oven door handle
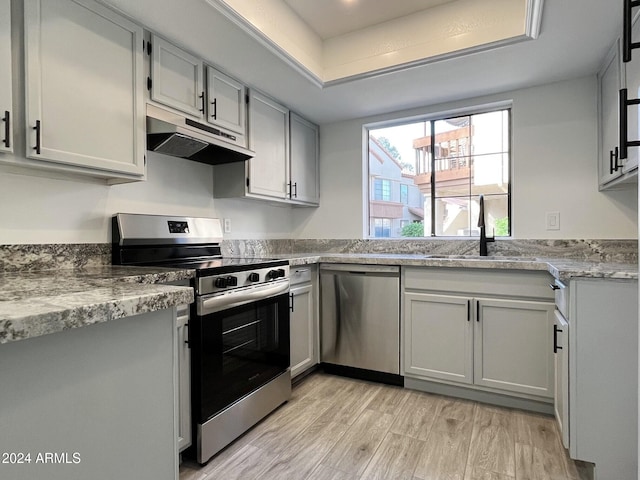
240,297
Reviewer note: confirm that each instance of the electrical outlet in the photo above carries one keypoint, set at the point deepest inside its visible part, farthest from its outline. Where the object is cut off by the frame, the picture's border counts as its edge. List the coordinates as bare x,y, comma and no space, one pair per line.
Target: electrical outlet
227,225
553,220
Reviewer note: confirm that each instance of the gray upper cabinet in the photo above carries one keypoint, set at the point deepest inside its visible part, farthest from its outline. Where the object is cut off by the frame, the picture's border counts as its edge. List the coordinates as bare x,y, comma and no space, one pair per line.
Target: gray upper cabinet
304,161
226,105
6,110
176,78
632,83
609,85
178,81
84,89
269,138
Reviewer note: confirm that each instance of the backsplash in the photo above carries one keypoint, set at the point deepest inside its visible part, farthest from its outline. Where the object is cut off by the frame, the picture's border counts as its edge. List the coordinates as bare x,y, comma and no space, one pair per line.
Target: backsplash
55,256
620,251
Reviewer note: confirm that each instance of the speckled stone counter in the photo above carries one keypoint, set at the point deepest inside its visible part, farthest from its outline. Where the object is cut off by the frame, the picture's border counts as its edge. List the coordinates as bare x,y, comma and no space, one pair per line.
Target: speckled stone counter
35,303
563,269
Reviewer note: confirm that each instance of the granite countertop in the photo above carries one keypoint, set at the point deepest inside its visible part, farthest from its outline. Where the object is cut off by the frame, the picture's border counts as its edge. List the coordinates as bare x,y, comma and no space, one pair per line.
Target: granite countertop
561,268
35,303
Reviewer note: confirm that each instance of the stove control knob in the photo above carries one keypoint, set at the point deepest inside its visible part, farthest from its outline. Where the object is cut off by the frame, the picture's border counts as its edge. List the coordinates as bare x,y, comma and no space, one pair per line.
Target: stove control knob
271,274
232,281
220,282
254,277
280,272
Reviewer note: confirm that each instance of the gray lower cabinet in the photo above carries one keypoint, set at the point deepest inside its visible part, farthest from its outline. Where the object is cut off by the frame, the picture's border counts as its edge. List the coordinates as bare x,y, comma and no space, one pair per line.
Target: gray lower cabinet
303,319
184,378
603,375
484,334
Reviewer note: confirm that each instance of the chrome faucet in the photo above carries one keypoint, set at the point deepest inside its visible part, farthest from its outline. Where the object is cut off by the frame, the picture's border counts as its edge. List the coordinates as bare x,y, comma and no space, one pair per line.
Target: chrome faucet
483,236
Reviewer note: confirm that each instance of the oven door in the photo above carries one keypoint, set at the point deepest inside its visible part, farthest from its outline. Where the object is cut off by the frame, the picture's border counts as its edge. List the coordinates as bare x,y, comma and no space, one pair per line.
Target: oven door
237,346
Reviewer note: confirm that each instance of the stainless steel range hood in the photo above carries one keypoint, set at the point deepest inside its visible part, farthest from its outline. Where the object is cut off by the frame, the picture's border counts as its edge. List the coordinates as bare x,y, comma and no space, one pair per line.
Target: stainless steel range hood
172,134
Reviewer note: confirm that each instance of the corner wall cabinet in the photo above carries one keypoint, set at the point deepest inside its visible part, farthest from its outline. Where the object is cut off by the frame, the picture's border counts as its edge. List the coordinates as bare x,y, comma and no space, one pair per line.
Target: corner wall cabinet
84,89
489,330
285,167
178,81
619,111
6,96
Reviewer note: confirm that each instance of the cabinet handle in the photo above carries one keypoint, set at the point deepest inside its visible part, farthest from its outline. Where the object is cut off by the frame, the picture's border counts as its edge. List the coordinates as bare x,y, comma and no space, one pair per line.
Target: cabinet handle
37,129
613,161
625,103
289,189
468,310
627,41
186,334
477,310
291,302
553,286
7,129
215,108
556,330
295,190
202,102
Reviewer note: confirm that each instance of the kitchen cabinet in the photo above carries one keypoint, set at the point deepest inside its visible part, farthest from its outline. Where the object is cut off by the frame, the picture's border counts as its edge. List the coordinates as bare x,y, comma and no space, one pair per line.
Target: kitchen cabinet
304,319
178,81
603,375
285,167
84,85
438,337
488,330
176,78
561,368
513,347
609,85
269,138
226,102
184,378
6,95
632,84
304,184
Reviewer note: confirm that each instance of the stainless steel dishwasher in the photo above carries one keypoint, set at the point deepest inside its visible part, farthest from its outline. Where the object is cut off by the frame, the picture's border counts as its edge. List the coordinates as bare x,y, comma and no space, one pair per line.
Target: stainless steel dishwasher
360,321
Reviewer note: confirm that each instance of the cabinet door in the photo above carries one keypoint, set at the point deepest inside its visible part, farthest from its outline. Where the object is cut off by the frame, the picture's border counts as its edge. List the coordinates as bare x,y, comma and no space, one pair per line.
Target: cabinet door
6,111
438,337
269,138
184,380
561,368
84,86
302,329
176,78
304,160
513,346
632,83
609,85
226,97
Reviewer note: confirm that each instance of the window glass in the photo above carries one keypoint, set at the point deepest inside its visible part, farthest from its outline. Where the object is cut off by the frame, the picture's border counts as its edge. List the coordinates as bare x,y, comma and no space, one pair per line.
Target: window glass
427,176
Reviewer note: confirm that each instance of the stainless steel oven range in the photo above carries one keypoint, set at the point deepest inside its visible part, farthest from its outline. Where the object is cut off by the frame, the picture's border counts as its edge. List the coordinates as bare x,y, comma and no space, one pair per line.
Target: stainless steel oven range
238,334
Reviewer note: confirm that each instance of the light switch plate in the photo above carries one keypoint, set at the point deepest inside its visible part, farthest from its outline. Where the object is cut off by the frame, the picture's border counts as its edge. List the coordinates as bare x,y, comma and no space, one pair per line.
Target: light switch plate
553,220
227,225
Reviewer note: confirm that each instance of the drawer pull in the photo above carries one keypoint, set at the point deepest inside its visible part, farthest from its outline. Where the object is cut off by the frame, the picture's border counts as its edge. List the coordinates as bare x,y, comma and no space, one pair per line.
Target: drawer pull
553,286
556,347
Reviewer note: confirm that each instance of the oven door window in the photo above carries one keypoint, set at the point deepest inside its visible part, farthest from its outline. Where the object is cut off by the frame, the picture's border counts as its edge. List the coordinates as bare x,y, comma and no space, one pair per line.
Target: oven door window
239,350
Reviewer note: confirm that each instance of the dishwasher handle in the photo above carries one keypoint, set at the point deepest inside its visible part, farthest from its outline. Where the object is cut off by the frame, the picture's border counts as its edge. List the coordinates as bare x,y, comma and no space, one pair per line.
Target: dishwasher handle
356,269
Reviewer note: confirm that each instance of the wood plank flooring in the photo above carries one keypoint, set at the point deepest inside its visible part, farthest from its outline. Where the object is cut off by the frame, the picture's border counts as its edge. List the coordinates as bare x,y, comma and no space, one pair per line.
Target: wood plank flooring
337,428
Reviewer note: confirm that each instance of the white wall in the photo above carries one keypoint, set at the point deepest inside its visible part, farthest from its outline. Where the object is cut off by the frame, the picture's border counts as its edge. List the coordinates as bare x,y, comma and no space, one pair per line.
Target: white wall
554,169
43,210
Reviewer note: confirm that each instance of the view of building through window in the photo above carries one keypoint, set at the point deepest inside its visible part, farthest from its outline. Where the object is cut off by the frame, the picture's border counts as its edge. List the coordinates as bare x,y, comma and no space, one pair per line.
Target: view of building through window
426,177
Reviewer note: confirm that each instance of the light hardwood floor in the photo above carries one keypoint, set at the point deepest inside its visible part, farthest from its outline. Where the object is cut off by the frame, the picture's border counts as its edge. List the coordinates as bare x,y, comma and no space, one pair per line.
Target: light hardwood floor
337,428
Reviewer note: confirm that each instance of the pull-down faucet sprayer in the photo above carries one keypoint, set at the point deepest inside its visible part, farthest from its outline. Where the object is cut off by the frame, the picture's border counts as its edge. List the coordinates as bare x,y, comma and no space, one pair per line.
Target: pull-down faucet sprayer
483,236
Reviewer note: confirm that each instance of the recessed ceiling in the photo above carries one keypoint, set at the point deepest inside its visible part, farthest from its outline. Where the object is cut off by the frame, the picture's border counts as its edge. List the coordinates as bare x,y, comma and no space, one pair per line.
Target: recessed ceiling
331,18
574,38
333,41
